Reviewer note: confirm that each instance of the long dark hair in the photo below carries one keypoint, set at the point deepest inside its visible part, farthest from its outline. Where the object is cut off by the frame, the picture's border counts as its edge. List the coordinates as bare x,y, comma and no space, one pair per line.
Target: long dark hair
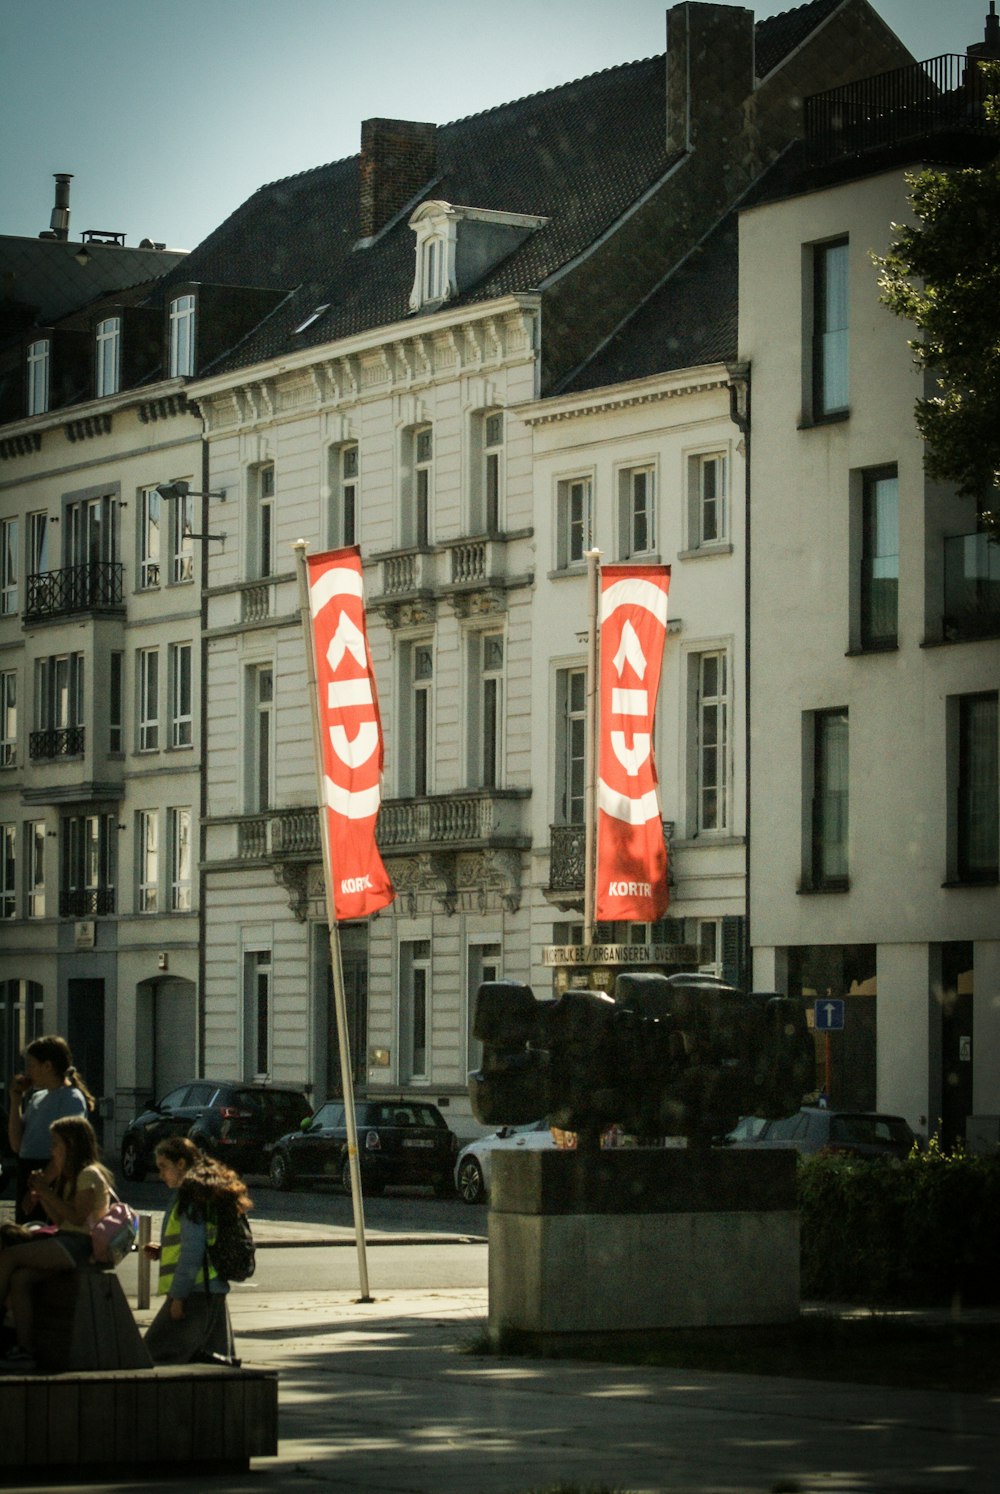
207,1181
77,1136
53,1049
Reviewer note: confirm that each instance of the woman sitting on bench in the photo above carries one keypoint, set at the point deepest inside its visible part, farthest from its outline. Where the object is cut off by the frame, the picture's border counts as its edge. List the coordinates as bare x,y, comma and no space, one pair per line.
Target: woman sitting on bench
76,1197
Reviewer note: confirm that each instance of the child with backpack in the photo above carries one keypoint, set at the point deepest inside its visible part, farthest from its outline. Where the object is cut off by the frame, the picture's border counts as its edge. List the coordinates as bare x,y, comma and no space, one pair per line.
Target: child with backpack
196,1256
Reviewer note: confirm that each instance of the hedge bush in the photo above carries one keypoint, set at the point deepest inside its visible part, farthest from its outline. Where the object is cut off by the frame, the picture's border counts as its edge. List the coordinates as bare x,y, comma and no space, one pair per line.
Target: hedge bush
922,1231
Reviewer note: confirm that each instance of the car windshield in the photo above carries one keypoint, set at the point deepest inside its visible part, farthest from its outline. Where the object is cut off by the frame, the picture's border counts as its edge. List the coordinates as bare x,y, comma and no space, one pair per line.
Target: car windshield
406,1115
284,1108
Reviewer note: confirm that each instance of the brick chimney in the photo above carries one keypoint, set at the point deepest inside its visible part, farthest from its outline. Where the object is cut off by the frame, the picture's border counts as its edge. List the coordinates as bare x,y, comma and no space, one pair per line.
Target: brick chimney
398,157
710,71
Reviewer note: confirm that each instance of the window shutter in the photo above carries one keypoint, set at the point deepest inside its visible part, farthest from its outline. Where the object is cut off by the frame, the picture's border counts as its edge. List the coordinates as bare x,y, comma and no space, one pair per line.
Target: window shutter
733,951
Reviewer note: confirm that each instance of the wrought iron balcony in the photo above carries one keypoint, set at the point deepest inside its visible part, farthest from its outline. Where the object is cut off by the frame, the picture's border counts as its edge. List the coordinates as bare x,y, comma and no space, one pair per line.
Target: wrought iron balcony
86,902
568,861
56,741
97,586
971,587
942,96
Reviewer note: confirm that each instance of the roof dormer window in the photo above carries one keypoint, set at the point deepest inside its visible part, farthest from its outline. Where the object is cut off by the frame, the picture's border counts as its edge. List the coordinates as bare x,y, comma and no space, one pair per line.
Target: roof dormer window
38,376
109,343
458,246
182,337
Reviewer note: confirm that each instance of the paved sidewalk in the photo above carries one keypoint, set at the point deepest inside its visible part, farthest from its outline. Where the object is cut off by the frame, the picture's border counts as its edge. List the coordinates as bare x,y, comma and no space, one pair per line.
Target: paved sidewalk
379,1399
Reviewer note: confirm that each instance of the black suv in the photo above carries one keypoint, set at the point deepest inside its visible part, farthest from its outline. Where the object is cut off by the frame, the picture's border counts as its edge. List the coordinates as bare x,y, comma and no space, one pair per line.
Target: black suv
234,1121
399,1141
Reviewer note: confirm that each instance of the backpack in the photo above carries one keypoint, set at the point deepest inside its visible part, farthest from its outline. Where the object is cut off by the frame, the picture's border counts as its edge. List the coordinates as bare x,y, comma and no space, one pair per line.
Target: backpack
232,1252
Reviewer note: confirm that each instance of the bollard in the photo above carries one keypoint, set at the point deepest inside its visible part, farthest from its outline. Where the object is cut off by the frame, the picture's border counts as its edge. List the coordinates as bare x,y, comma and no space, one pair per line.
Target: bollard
144,1238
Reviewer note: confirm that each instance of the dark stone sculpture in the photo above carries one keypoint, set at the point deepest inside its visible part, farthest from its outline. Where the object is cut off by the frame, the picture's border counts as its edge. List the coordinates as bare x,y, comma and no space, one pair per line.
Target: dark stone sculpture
677,1055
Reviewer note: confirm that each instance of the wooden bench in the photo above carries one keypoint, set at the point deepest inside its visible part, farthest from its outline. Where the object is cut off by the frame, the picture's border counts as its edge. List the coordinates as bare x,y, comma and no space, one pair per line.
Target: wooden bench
195,1415
83,1322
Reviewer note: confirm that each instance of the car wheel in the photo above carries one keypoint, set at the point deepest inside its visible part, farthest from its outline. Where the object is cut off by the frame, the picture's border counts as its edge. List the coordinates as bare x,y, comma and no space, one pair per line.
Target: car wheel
471,1188
370,1189
280,1172
133,1162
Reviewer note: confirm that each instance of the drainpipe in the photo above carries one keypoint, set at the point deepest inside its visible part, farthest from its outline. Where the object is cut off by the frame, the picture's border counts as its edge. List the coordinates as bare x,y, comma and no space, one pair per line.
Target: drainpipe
739,413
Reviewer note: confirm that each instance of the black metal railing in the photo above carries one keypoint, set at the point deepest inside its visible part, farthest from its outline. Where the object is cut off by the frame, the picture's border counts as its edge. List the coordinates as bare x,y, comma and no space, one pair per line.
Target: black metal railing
96,586
56,741
945,93
86,902
971,586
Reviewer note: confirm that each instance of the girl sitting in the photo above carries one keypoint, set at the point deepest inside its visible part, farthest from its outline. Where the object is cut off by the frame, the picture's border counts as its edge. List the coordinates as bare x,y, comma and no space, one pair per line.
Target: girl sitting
193,1323
74,1191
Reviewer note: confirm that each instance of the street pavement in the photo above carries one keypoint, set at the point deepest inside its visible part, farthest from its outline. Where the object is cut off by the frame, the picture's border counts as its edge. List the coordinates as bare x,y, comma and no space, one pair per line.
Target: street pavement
395,1395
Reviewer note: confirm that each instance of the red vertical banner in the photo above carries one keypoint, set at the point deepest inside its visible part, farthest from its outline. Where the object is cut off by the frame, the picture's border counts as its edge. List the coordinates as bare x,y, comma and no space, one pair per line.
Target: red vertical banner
350,733
631,877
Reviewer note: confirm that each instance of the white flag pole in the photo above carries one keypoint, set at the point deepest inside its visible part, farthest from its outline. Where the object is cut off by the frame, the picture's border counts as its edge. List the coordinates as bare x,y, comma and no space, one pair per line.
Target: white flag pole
590,798
339,999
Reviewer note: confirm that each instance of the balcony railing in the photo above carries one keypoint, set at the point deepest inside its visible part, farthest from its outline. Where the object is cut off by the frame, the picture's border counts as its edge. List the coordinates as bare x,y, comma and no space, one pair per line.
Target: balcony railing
86,902
95,587
568,861
485,817
56,741
942,95
971,586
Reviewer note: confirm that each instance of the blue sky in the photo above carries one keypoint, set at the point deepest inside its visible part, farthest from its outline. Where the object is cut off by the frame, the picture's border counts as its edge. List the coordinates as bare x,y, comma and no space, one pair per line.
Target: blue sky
170,113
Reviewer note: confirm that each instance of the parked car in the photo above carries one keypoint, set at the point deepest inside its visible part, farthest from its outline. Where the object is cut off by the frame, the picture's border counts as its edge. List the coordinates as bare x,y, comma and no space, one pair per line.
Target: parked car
473,1168
399,1141
814,1129
234,1121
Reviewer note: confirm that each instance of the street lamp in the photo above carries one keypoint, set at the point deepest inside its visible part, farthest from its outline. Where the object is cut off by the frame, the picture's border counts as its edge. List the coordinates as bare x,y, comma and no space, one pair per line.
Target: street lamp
171,492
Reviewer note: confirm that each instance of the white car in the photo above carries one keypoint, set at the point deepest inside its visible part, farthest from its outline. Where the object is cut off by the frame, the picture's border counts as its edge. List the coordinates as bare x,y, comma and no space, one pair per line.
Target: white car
472,1170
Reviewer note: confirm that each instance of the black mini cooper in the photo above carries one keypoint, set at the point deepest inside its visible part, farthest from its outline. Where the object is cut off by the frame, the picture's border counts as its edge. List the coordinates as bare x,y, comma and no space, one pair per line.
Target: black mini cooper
399,1141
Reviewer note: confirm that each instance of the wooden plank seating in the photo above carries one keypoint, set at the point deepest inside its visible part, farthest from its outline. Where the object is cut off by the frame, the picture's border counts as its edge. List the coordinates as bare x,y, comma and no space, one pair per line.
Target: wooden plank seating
85,1424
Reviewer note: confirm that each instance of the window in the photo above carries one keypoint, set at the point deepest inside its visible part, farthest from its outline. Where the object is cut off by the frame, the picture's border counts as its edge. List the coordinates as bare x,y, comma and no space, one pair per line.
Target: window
418,489
708,506
181,543
710,677
89,854
92,531
38,377
8,566
182,337
148,661
978,817
571,745
572,522
8,718
8,871
262,520
149,538
433,262
829,800
180,860
38,544
485,964
635,511
261,764
109,355
830,330
257,1012
879,558
59,695
180,695
34,860
487,475
344,493
486,713
147,841
417,704
414,1013
116,699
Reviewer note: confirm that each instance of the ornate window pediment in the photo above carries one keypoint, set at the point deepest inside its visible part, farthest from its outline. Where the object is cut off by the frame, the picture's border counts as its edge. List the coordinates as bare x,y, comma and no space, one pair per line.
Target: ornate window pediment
457,246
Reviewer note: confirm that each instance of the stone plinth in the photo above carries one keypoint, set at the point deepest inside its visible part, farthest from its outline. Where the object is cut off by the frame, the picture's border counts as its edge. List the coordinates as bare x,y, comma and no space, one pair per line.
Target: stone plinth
624,1242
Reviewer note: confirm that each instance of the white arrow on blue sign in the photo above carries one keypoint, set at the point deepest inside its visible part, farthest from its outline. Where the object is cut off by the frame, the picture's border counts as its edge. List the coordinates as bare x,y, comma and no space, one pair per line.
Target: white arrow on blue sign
829,1014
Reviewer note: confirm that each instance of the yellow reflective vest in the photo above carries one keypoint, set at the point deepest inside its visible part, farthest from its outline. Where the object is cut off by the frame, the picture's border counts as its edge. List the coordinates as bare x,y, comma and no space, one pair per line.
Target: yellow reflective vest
170,1252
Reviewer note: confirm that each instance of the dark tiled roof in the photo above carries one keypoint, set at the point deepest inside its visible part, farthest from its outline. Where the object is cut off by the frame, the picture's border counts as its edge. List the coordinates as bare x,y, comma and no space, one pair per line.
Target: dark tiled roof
43,273
778,36
691,319
578,155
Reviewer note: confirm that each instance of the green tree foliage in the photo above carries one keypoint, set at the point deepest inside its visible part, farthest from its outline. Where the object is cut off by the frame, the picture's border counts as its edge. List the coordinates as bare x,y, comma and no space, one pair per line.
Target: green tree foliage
943,274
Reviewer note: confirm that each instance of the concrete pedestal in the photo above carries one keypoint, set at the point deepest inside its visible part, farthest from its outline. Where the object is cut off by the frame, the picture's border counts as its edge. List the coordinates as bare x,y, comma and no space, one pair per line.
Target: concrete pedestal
630,1241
